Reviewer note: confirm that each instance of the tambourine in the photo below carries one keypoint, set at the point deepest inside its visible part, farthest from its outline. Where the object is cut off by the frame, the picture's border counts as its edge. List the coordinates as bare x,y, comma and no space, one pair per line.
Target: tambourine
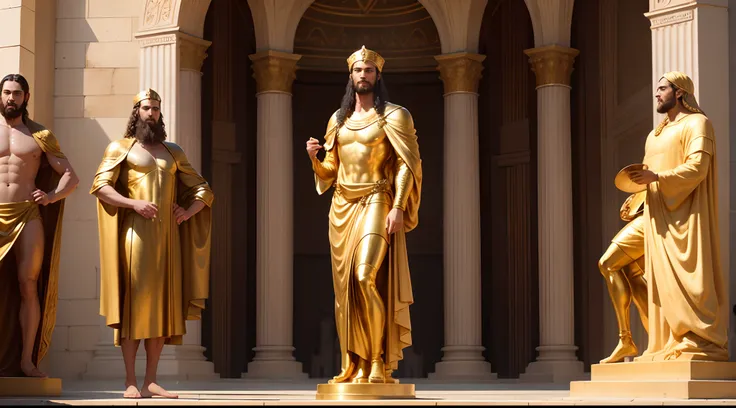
623,179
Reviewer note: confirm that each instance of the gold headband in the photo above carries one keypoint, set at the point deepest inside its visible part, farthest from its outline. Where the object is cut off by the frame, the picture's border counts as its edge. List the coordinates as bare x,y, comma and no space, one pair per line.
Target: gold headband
365,54
147,94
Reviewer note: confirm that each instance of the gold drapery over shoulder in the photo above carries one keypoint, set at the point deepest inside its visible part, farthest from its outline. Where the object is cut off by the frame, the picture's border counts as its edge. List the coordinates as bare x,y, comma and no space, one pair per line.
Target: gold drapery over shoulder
13,218
688,313
399,128
188,251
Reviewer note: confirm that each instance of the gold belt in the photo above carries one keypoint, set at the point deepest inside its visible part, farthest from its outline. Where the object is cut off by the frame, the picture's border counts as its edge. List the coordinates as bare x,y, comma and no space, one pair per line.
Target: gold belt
361,193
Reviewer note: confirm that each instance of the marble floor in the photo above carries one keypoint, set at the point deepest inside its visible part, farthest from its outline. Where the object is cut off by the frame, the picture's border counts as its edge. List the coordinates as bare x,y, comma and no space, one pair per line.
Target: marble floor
263,393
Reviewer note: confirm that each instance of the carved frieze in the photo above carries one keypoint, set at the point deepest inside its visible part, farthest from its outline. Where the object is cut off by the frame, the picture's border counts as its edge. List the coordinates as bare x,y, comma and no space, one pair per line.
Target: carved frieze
158,13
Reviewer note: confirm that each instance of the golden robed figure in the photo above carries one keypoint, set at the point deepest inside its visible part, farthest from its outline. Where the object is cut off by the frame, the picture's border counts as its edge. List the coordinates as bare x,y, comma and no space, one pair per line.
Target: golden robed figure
154,223
684,296
372,160
678,232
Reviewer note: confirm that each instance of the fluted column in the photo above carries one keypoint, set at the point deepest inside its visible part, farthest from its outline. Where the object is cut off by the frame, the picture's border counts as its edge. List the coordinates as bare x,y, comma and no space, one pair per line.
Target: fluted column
462,358
274,73
692,36
557,360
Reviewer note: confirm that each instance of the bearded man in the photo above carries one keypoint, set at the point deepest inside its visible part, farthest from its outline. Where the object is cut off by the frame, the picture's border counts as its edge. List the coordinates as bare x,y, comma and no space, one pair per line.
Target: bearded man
35,177
372,160
154,222
688,313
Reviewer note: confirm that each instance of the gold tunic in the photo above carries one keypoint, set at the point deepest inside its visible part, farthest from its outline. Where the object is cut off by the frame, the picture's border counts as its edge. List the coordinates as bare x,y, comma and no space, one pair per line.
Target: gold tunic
374,165
155,273
688,313
13,218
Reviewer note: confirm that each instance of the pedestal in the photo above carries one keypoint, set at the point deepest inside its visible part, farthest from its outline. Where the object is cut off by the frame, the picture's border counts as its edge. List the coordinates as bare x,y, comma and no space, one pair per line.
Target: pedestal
666,379
30,387
349,391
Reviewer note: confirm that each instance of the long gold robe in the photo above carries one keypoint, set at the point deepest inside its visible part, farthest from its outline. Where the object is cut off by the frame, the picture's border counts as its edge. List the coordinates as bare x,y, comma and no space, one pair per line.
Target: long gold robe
13,218
154,274
346,226
688,314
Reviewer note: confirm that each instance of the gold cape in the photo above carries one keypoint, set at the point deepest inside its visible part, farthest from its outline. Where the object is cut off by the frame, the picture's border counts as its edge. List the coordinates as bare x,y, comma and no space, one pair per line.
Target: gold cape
399,128
688,313
48,281
195,237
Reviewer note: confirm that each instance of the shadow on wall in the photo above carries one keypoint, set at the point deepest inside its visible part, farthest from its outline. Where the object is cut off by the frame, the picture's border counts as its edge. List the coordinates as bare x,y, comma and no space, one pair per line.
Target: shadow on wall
77,332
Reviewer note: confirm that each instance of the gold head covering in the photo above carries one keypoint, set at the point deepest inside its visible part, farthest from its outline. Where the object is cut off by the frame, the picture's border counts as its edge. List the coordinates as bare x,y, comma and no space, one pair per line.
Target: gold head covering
364,54
147,94
683,82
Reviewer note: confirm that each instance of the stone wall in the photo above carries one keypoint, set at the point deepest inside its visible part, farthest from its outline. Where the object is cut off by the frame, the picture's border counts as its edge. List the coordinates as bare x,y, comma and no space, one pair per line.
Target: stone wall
96,59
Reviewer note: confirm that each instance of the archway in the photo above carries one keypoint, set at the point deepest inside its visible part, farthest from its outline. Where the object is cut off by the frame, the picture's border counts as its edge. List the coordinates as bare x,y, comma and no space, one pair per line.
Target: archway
228,135
405,35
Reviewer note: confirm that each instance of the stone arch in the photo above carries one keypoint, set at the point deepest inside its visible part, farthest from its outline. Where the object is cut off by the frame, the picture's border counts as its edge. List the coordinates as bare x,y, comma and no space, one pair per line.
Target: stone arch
186,15
402,31
551,23
459,25
436,9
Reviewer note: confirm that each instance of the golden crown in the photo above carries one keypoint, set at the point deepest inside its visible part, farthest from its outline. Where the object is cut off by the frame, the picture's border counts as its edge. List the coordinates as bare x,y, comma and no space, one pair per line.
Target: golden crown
364,54
147,94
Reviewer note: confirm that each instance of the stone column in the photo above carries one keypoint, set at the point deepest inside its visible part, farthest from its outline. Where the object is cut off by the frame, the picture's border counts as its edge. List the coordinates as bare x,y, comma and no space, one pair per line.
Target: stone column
692,37
557,360
171,64
274,72
463,353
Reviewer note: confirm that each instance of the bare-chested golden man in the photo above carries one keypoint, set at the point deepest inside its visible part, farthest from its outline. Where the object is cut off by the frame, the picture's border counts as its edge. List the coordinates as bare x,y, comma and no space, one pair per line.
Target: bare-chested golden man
372,159
29,157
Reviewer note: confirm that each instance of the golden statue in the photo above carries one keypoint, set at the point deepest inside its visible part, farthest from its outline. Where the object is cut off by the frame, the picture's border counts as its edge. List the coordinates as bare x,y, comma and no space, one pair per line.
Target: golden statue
622,266
35,177
688,313
372,159
154,221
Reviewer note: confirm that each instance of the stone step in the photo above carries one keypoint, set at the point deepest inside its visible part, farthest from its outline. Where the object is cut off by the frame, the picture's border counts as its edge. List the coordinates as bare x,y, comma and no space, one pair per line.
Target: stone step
30,387
664,370
667,389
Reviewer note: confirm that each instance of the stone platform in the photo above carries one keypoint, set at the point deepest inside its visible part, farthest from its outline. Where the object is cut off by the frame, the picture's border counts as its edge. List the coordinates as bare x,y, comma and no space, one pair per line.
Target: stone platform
665,379
303,393
30,387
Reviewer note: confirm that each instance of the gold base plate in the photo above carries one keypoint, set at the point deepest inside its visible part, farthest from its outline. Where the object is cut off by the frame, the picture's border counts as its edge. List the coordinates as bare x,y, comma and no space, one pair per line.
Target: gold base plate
30,387
350,391
662,379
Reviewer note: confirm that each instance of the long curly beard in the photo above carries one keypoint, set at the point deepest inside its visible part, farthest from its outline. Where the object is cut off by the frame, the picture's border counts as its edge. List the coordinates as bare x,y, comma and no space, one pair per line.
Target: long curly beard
149,132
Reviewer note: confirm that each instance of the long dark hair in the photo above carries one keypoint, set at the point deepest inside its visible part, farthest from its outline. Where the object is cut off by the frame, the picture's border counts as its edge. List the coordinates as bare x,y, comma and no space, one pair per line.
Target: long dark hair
130,130
23,85
347,106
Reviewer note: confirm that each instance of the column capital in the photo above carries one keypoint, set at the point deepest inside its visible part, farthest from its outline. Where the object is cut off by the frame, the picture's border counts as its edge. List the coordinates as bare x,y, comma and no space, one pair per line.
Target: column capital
552,64
274,70
192,54
460,72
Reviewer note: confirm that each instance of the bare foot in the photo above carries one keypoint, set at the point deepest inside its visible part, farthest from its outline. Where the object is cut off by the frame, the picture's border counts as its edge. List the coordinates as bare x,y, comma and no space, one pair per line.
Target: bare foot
344,375
378,372
31,370
154,389
131,391
360,376
625,348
